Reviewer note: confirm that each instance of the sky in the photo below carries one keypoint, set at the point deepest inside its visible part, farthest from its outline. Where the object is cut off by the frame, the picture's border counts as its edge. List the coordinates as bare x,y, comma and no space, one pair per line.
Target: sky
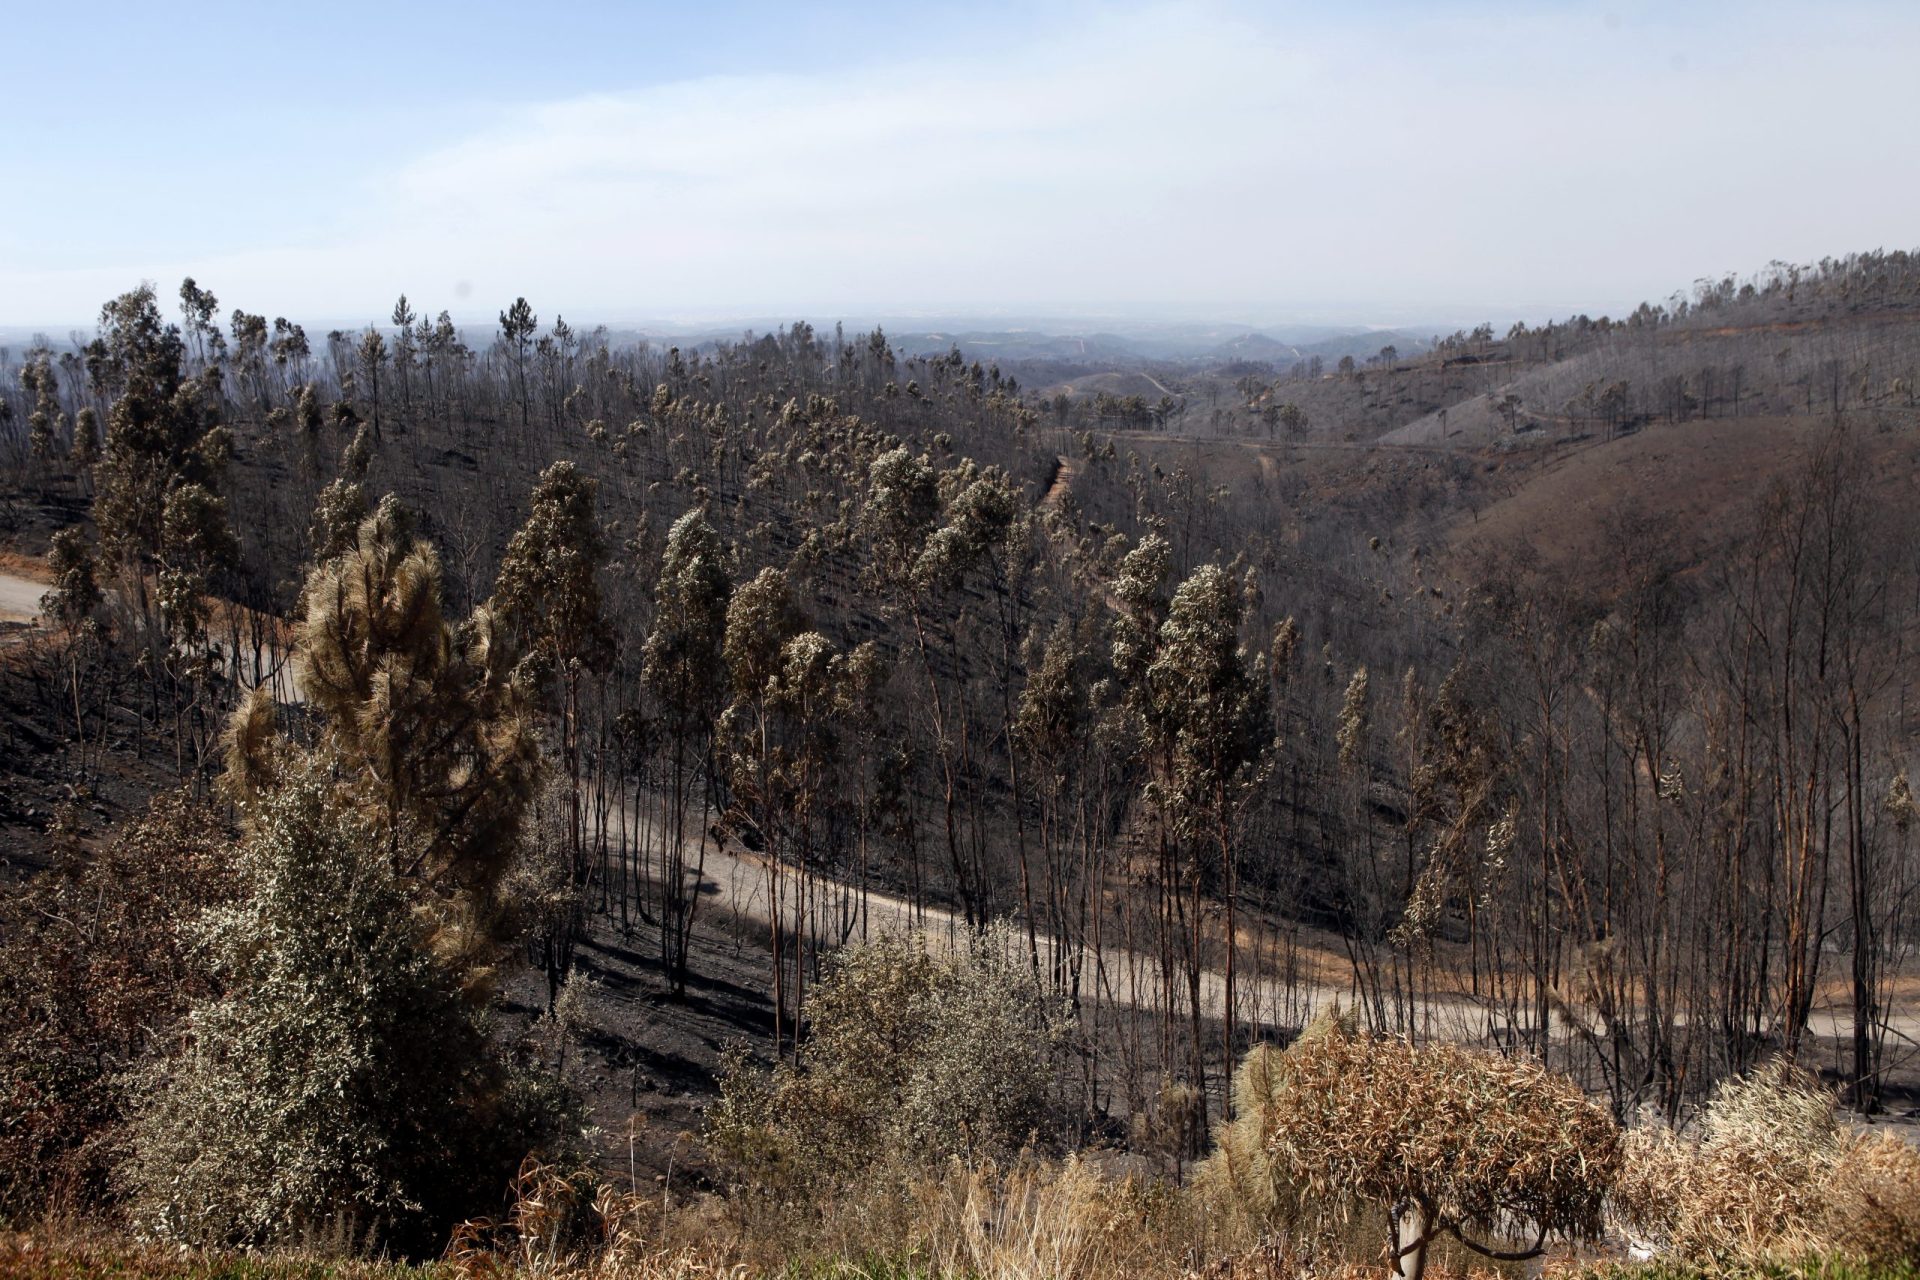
1357,162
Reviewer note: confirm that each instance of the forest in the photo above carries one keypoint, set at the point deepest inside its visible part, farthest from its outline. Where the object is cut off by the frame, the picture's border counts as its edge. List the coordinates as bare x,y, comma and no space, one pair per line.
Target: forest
551,803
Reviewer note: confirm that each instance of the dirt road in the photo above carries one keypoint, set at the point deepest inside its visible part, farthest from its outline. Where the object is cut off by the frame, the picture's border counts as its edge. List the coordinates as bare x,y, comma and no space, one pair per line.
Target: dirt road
1062,481
743,883
20,598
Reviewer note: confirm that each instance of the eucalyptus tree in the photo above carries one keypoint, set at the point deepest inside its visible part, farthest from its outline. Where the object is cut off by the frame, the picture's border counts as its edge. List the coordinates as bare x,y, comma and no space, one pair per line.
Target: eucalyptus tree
161,519
1207,717
152,428
548,590
198,307
804,695
897,518
1054,729
86,443
44,419
978,515
291,351
761,618
250,339
73,604
684,667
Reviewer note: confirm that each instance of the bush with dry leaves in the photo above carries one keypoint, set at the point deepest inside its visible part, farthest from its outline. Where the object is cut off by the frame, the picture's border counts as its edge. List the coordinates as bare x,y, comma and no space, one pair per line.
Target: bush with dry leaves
1450,1140
1772,1175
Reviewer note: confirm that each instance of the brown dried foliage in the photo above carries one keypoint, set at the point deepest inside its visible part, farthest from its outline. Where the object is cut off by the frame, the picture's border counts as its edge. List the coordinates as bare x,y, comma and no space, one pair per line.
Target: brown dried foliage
1772,1175
95,963
1480,1143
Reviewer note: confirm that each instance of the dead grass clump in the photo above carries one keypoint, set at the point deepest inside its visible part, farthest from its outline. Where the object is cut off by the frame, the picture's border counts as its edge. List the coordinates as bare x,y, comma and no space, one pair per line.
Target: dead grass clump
572,1227
1041,1220
1030,1220
1773,1175
1874,1201
54,1254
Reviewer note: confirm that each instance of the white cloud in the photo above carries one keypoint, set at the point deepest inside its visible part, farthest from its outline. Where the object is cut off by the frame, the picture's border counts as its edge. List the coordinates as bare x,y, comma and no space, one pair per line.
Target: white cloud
1186,156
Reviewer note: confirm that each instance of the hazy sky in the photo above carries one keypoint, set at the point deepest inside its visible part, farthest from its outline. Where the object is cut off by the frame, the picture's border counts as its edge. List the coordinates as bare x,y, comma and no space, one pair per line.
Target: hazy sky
1332,161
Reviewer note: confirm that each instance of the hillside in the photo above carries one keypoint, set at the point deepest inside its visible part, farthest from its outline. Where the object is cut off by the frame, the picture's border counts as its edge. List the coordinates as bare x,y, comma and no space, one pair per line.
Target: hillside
1219,693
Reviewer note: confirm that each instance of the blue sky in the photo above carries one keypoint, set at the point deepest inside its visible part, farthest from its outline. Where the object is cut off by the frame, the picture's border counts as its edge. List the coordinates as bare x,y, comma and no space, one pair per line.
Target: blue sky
1236,161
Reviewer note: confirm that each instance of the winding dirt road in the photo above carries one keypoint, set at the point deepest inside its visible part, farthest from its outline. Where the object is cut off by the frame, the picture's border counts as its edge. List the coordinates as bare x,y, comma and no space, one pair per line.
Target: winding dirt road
744,884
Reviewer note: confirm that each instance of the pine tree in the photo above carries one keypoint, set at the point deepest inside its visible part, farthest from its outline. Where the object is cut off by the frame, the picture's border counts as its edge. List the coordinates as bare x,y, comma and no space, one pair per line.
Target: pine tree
425,723
517,325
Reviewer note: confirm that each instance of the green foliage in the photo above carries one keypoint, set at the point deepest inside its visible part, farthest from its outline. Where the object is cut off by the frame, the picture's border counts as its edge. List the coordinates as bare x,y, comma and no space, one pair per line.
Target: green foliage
979,517
682,659
903,501
1139,591
761,618
1206,704
341,1079
342,505
914,1058
156,424
86,440
76,592
196,545
340,1075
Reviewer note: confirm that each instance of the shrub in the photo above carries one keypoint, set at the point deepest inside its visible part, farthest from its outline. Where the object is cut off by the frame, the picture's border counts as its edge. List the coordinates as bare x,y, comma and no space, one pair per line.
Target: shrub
913,1058
340,1076
1772,1176
1450,1139
1245,1190
94,965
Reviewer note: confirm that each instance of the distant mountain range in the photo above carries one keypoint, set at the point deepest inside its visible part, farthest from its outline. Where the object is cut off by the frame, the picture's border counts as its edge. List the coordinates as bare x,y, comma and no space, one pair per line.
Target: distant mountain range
989,340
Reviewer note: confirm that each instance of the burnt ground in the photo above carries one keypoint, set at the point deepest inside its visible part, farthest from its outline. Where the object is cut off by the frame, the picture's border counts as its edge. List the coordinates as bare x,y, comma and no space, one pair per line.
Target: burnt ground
645,1061
44,772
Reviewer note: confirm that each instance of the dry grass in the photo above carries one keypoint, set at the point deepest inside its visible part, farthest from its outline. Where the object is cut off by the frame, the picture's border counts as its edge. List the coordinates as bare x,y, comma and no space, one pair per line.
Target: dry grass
1030,1220
1045,1221
69,1255
1774,1187
573,1226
